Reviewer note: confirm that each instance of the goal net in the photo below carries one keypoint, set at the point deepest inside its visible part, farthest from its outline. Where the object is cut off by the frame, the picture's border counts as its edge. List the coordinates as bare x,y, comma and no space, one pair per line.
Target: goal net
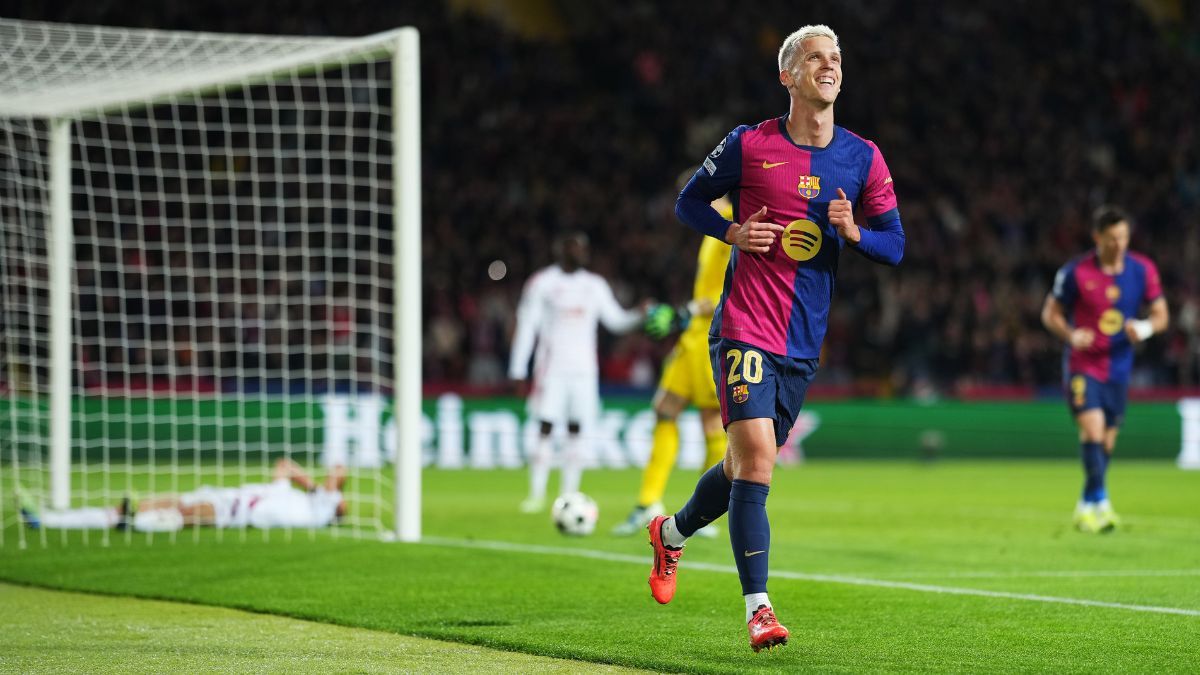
209,278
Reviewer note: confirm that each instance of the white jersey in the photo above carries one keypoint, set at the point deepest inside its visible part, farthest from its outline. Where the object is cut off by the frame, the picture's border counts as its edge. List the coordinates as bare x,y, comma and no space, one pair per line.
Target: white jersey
266,505
560,310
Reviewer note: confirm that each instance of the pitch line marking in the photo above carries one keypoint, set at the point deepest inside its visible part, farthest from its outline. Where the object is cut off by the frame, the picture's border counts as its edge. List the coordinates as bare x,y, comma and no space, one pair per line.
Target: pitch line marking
1061,574
820,578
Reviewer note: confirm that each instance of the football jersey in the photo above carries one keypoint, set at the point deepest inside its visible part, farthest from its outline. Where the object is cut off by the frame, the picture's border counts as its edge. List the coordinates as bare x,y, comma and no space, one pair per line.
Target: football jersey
779,301
560,311
1092,298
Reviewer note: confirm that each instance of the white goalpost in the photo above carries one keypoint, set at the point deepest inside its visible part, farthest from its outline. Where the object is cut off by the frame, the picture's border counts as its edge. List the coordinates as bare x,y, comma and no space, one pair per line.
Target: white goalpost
210,261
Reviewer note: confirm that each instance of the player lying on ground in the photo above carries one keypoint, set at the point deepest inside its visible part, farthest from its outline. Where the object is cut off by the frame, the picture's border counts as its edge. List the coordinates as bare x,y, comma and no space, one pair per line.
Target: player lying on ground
292,499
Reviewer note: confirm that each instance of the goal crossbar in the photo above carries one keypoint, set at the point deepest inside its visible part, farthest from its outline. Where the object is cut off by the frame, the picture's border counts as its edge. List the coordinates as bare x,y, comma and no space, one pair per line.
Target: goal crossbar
89,92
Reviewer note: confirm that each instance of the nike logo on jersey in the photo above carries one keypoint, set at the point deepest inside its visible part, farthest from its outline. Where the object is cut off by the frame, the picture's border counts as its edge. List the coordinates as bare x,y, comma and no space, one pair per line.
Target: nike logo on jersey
772,165
750,553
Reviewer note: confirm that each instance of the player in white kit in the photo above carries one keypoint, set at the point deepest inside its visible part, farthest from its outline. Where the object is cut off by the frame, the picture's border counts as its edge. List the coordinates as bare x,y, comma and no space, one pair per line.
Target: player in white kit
292,499
559,310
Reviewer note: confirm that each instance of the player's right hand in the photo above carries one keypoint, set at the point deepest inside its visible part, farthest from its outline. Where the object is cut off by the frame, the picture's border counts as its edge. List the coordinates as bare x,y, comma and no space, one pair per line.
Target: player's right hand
1082,338
659,321
520,388
755,235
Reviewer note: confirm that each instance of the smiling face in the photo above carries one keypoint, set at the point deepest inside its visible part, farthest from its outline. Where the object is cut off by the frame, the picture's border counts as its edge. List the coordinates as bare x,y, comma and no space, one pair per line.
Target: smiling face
815,74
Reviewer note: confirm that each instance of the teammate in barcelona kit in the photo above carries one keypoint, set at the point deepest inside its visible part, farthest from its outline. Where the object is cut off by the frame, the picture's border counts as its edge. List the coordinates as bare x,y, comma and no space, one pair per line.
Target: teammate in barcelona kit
559,310
1092,309
795,182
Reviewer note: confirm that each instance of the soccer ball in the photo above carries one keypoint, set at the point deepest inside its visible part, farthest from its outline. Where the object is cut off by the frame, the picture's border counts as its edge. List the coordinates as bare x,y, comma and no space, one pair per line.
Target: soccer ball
575,514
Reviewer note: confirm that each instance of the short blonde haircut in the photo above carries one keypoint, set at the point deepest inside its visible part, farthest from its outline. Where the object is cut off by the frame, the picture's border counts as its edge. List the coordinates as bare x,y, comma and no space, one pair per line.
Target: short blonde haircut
787,53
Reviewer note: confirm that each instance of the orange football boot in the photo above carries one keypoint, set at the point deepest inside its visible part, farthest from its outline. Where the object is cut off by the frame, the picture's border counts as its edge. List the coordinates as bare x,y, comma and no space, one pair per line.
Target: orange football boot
666,559
765,630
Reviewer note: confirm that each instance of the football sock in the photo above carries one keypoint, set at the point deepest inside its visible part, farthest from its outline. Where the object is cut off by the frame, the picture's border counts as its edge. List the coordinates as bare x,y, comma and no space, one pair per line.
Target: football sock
670,534
714,447
539,469
663,450
750,533
1094,465
753,602
88,518
572,466
709,501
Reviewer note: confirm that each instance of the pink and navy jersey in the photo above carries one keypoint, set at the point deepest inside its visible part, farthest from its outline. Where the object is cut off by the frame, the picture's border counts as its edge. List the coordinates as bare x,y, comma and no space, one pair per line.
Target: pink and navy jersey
779,301
1094,299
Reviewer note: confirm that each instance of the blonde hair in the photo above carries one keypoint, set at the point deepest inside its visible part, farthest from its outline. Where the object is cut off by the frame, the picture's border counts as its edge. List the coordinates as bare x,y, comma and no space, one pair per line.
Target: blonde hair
791,45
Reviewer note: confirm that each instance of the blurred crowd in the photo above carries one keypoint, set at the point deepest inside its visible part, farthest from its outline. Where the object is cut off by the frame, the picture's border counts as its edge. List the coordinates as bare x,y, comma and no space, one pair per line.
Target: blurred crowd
1004,124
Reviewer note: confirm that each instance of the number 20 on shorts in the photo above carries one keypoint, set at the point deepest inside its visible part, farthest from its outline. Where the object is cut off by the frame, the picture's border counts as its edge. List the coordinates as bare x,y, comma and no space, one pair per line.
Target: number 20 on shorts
744,365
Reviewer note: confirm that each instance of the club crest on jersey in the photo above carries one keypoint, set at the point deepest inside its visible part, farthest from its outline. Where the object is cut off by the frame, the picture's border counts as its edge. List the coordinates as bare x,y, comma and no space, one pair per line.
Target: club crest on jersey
1113,293
740,393
809,186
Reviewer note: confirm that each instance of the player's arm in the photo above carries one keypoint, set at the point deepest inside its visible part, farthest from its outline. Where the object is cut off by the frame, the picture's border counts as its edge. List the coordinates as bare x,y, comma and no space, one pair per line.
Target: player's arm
721,172
529,317
1159,317
1140,330
883,238
1054,314
612,315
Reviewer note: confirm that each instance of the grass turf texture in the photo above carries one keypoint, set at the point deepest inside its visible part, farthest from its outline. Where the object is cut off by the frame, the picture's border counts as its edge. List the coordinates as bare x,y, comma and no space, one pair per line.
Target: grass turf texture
998,526
61,632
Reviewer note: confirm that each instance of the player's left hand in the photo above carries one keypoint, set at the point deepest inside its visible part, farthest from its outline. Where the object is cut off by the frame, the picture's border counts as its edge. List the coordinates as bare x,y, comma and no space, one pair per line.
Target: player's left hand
841,216
1138,331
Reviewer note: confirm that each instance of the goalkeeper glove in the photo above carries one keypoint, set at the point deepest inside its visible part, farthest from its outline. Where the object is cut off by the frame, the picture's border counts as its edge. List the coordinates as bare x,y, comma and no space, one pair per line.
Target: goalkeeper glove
661,320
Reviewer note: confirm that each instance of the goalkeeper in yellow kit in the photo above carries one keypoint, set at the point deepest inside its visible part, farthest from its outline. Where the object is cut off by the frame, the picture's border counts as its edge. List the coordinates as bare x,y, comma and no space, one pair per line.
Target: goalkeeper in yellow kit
687,378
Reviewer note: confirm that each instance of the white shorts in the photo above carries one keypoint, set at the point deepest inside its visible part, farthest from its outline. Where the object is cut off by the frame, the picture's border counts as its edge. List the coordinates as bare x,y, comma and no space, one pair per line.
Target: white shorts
231,505
561,399
267,505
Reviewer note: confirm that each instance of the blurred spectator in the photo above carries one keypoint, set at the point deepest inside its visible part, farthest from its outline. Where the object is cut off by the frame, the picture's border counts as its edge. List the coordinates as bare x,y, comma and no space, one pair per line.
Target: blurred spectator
1004,125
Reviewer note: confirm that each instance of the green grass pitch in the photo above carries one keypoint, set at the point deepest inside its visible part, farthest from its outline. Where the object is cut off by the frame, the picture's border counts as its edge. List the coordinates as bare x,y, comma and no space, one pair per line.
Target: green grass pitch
957,566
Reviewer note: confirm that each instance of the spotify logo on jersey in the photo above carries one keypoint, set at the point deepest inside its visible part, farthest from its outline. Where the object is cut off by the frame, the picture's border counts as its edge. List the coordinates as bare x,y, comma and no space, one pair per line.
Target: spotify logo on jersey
1111,322
802,240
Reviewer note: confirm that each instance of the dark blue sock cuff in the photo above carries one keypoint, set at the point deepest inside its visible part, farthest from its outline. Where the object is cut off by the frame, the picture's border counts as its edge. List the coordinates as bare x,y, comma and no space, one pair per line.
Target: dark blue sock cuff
747,491
719,470
1092,447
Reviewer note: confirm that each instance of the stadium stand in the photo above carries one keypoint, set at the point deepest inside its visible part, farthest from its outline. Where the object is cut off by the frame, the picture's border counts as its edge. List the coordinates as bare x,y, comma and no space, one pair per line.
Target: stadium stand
1003,125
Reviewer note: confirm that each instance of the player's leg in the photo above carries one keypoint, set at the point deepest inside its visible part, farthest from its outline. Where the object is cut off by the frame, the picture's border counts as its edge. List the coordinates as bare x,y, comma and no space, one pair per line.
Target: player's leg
709,501
548,406
583,406
664,448
1086,402
715,445
1091,450
572,459
1114,414
539,469
84,518
753,451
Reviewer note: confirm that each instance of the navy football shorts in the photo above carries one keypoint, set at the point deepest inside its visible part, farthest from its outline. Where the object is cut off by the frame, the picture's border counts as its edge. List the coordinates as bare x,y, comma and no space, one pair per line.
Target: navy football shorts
753,383
1085,392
